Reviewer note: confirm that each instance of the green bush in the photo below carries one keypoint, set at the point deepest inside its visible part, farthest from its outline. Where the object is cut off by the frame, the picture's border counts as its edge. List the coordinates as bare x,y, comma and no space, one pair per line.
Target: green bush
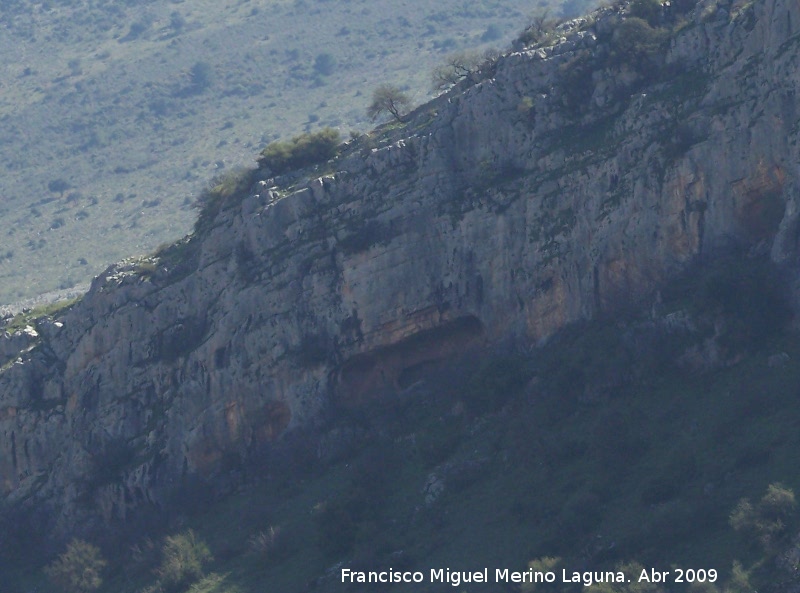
576,81
268,544
637,43
739,581
778,504
389,99
222,192
78,569
767,521
183,559
301,151
544,564
201,77
325,64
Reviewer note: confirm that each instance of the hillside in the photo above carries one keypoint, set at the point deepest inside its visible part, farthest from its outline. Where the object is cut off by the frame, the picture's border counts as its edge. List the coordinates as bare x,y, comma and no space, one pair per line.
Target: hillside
548,315
116,114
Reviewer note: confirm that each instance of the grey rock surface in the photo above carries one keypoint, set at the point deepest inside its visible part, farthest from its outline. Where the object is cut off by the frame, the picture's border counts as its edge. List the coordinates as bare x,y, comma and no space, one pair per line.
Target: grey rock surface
500,212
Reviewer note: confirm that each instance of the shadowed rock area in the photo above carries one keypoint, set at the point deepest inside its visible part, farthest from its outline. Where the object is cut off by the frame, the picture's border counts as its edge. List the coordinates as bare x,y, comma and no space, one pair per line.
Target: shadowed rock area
501,212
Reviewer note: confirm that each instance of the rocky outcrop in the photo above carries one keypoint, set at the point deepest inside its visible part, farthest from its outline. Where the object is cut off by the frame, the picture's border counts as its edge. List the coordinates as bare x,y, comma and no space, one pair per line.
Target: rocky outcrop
502,211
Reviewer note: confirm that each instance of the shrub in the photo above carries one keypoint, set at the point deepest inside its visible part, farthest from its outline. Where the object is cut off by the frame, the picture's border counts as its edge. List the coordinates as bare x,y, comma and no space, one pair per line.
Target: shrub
78,569
525,106
143,556
638,44
183,559
301,151
778,504
456,67
576,80
769,520
58,186
324,64
461,65
541,29
266,544
221,192
177,22
201,77
543,564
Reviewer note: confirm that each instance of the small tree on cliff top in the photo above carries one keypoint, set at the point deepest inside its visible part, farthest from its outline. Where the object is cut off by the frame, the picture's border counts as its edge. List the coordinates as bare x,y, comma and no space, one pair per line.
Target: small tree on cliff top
389,99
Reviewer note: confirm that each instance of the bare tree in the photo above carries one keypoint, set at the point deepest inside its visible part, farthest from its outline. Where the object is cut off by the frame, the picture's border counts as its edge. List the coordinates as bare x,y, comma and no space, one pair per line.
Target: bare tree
542,25
461,65
541,21
389,99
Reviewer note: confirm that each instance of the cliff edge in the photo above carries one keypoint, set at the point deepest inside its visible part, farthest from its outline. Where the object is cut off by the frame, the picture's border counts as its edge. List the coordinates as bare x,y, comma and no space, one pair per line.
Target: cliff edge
573,179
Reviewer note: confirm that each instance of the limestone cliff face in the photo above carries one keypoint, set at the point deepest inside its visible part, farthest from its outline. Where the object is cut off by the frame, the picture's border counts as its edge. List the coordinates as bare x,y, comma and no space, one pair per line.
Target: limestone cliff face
504,210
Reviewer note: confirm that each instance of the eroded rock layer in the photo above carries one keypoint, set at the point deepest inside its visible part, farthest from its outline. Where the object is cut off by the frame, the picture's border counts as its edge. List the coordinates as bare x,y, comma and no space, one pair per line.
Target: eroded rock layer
504,210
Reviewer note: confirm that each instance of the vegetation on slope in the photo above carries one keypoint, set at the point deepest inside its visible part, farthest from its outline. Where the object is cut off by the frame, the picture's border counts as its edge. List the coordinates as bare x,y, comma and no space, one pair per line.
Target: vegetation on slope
115,112
661,438
664,437
300,151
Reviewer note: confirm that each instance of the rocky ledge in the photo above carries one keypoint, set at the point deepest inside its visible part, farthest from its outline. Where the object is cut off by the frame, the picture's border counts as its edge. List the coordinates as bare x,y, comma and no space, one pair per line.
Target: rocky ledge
572,179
